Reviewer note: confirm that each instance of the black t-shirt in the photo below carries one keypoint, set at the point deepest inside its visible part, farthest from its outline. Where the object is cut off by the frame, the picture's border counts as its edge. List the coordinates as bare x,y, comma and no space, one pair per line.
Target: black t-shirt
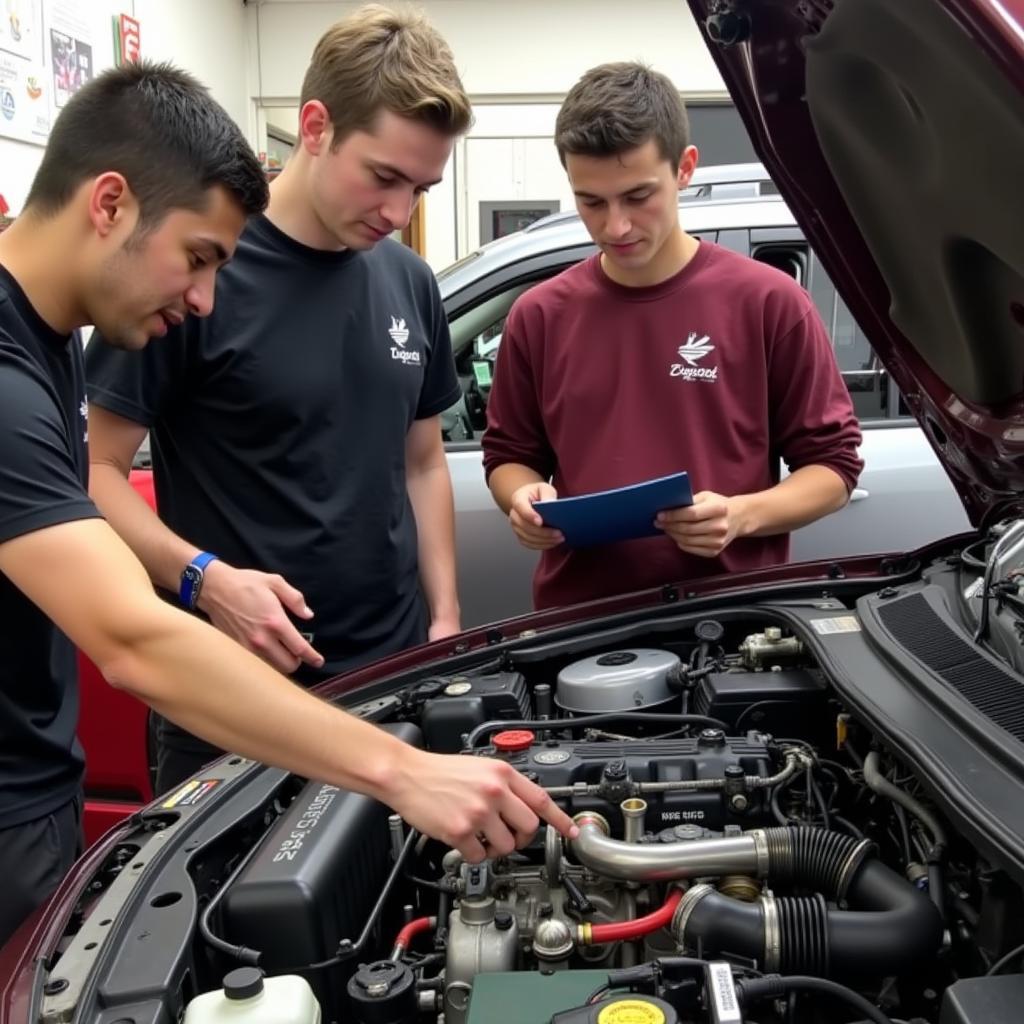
43,479
278,427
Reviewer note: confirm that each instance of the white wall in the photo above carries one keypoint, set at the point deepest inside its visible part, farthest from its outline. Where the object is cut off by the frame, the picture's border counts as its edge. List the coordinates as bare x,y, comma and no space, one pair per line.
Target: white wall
523,47
207,37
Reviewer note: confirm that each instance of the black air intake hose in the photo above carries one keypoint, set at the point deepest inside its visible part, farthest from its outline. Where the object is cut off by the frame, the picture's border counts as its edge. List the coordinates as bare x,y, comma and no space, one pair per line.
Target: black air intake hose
893,926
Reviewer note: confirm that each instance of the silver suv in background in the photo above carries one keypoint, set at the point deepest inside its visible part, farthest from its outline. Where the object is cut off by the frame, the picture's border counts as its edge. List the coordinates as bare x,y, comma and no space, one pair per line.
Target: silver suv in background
904,498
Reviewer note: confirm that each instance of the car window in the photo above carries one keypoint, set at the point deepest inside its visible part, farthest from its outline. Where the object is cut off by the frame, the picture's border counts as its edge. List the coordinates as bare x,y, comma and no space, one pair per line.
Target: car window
865,377
476,336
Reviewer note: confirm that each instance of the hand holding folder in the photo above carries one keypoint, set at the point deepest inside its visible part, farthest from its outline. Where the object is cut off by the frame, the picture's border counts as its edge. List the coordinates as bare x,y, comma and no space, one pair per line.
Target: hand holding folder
624,513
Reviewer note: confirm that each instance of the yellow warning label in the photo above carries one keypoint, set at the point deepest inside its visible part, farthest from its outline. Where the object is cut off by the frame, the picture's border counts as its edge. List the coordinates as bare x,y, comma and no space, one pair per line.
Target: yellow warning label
191,793
631,1011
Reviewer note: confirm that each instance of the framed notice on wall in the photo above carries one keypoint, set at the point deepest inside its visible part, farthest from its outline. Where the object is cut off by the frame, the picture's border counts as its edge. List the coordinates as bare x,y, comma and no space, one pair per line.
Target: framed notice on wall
46,56
71,50
24,101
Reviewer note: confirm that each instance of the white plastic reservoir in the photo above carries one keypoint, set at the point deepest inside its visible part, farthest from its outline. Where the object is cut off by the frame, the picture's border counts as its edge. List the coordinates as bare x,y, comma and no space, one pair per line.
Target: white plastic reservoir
249,998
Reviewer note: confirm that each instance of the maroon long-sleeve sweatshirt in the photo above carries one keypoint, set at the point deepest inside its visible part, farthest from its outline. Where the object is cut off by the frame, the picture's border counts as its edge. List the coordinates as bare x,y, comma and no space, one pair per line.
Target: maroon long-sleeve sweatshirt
722,370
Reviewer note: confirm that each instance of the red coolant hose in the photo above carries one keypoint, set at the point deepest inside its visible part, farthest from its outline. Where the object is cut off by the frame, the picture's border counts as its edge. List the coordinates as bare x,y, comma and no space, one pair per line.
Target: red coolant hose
592,934
409,932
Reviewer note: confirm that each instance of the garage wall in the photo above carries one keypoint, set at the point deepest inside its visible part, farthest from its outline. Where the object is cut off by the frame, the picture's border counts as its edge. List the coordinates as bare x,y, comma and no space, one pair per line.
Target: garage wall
517,60
207,37
526,47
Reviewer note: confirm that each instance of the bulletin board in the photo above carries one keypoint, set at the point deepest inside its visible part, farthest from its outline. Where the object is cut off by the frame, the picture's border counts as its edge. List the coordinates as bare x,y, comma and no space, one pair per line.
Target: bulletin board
46,55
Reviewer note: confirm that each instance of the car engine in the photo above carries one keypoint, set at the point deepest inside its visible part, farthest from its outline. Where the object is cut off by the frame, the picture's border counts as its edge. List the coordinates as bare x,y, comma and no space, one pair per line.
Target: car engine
733,818
751,847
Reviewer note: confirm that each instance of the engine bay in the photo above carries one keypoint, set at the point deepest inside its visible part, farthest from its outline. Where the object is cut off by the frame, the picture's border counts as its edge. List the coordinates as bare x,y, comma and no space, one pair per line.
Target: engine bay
755,842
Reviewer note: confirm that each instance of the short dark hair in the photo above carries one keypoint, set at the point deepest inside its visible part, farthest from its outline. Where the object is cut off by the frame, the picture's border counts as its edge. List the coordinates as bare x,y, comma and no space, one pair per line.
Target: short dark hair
617,107
160,128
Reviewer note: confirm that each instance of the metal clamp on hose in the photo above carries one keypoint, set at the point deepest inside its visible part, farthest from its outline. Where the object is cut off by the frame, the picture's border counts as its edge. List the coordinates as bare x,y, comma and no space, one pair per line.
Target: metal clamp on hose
772,933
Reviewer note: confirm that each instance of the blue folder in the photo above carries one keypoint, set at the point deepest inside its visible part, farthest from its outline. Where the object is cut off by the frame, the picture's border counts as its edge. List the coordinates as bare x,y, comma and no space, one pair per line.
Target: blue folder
620,514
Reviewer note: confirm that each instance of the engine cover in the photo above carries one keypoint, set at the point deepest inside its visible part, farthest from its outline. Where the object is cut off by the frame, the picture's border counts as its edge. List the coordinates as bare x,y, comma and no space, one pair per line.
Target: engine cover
567,763
313,881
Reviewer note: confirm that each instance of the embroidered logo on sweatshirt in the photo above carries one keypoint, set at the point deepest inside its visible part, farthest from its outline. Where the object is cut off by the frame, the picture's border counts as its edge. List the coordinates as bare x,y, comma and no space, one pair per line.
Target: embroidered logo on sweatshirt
692,351
400,336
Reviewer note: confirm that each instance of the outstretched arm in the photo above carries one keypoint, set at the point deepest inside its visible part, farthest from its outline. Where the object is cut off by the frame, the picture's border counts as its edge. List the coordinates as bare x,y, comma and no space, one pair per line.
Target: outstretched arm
86,580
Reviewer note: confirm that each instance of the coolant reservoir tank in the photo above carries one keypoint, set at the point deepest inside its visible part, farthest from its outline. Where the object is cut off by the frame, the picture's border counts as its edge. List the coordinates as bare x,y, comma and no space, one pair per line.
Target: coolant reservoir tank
249,998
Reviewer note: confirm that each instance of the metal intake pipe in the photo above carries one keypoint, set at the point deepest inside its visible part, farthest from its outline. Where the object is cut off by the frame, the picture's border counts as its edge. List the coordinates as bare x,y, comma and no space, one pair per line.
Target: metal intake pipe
637,862
890,926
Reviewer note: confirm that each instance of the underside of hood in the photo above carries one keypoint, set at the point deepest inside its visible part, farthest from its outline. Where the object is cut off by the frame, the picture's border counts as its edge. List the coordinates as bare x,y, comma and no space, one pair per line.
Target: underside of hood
895,130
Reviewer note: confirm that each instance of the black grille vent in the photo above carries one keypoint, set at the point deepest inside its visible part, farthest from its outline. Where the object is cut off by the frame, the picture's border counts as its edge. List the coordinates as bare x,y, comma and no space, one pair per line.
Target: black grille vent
995,692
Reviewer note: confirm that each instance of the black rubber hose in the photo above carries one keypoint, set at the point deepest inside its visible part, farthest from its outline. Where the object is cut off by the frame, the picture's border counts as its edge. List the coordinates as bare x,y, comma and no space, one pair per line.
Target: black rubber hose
875,780
804,933
936,888
893,925
759,989
553,724
816,858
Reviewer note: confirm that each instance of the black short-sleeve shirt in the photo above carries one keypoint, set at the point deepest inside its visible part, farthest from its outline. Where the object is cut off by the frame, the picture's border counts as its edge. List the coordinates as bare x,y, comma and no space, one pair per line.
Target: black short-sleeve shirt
278,426
43,482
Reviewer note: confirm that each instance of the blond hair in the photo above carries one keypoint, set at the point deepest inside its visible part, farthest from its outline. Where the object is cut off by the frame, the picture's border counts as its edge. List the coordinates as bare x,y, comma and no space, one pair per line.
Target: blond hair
381,59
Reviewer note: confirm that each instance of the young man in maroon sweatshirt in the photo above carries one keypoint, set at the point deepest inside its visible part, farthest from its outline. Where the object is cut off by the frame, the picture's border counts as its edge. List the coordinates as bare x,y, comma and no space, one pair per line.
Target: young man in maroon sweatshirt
657,354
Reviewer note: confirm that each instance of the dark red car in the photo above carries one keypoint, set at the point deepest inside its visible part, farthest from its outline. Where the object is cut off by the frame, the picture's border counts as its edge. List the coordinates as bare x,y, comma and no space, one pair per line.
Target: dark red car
800,791
113,730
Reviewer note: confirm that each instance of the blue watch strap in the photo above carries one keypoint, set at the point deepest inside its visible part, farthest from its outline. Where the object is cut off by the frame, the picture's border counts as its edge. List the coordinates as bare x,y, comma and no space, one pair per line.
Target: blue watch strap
192,578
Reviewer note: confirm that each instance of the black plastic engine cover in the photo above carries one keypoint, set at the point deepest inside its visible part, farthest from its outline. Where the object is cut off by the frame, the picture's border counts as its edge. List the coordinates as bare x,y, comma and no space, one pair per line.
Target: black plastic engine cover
995,1000
790,702
469,701
314,881
565,763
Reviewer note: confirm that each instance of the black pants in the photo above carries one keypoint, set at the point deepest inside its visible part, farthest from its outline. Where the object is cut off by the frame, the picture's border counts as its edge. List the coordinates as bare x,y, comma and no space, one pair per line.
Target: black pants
34,858
178,755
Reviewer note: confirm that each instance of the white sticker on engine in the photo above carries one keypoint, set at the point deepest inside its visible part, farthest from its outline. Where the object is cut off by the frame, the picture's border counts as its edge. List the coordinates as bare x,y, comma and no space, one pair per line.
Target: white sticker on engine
840,624
725,1007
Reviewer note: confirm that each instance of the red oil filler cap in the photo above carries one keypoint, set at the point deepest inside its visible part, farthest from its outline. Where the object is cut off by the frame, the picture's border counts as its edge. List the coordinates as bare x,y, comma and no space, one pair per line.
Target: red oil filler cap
512,740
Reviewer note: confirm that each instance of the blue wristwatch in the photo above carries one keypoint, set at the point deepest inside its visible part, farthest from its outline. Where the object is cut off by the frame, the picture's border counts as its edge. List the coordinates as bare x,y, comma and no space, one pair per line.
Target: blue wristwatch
192,579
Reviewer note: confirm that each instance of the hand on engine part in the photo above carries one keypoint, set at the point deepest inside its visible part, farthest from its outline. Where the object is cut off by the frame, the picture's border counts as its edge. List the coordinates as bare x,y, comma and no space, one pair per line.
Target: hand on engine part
526,522
705,528
249,606
478,805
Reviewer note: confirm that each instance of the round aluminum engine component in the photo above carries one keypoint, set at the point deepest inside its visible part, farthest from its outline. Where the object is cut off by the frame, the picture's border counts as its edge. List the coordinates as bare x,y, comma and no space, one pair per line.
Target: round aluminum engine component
552,939
626,680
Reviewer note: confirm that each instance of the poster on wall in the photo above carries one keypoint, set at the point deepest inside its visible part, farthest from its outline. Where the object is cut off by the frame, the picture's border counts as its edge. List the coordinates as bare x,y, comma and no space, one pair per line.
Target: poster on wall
24,104
71,52
21,29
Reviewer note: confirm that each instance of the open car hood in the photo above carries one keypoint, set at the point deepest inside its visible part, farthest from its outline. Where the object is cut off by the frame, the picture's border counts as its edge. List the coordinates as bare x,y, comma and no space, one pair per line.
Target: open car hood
895,130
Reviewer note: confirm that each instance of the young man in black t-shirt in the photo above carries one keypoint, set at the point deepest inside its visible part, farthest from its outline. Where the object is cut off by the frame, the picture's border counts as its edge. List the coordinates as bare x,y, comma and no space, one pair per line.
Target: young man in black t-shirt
141,195
296,434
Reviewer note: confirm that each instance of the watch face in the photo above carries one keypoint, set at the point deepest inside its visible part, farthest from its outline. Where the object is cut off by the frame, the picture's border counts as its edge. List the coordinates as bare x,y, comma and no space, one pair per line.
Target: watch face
191,581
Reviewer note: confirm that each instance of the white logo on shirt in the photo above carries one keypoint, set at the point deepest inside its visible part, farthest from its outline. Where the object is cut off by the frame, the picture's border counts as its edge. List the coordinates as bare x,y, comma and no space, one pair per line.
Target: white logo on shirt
398,331
692,351
84,410
400,335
